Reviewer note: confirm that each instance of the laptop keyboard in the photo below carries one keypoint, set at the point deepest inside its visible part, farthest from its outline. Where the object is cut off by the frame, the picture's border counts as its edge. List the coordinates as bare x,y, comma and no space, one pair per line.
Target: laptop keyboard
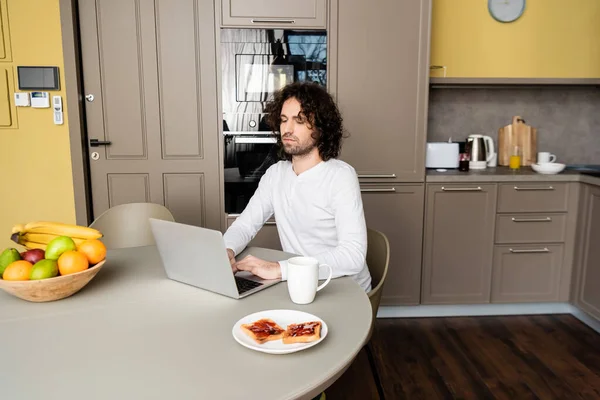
243,284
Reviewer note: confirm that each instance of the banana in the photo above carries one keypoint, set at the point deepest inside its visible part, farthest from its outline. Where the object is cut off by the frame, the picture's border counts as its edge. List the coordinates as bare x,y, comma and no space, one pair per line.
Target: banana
37,234
60,229
18,228
33,245
45,238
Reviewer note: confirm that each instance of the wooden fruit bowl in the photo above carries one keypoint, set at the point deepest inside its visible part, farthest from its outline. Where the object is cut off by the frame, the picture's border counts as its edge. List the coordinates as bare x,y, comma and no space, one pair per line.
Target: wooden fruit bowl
51,289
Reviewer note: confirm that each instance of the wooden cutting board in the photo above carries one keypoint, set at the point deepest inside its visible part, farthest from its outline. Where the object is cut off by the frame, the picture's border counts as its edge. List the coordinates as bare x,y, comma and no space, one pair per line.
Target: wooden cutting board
517,134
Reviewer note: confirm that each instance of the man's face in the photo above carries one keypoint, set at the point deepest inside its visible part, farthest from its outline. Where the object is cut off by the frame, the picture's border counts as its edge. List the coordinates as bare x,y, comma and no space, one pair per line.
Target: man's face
295,129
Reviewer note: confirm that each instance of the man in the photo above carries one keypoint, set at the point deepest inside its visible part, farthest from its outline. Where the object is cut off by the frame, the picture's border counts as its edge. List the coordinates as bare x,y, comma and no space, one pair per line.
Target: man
314,197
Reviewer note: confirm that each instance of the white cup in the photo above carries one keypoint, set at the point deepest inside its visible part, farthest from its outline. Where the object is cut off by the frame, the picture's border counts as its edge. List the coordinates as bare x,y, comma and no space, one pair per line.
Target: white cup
544,157
303,279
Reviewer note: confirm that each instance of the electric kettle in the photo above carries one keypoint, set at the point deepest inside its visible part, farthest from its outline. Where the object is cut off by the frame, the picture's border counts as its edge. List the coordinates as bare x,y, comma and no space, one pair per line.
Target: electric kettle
481,151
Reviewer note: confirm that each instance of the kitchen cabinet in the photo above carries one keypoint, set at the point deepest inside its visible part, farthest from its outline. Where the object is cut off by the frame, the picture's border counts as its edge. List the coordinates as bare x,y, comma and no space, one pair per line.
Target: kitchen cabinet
523,273
379,76
5,46
267,236
459,243
548,41
397,211
533,197
291,14
535,226
588,293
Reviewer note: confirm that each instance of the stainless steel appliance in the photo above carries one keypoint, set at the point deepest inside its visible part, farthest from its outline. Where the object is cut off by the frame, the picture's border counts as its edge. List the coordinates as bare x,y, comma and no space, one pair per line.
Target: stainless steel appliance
256,63
481,151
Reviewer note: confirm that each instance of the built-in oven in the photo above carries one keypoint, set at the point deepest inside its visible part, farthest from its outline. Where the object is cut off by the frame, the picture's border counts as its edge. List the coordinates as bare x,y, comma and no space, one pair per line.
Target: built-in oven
256,63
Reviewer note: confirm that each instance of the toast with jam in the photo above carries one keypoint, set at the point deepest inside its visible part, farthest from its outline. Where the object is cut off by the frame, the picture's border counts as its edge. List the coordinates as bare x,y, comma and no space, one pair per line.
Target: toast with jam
302,333
263,330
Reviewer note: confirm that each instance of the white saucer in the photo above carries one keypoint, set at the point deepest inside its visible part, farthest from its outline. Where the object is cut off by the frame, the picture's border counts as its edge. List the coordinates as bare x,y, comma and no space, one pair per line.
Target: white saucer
283,318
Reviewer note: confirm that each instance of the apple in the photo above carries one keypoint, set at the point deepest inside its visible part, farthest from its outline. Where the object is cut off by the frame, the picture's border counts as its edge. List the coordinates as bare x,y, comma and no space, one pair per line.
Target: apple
33,255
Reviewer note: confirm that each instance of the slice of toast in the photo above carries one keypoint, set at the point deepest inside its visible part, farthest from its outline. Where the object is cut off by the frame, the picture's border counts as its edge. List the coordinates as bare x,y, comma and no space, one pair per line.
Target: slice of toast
263,330
302,333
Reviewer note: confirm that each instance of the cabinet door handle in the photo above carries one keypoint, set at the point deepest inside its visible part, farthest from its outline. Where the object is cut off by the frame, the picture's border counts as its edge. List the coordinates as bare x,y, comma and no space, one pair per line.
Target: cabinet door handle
378,190
547,219
273,21
544,250
377,176
255,140
460,189
534,188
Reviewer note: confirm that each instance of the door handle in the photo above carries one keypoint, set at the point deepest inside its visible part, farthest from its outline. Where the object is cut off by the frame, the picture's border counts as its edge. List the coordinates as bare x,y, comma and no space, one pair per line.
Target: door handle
547,219
96,143
544,250
273,21
534,188
462,189
381,190
377,176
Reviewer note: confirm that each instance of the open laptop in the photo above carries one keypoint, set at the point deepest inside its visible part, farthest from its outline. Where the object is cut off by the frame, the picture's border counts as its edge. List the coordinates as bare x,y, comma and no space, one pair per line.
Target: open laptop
197,256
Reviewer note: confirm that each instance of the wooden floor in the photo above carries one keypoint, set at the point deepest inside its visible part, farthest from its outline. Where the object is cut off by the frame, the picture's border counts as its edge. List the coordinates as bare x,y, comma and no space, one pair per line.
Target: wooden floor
513,357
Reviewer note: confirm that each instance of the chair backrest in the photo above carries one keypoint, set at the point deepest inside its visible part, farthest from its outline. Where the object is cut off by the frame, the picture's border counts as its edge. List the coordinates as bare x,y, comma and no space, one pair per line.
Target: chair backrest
378,259
127,225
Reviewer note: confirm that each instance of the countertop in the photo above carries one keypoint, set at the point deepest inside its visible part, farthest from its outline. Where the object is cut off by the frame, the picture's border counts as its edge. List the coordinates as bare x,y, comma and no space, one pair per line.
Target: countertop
504,174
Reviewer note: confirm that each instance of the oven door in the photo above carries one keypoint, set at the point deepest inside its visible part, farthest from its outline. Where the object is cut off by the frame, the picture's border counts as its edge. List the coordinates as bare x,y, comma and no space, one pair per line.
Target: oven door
247,159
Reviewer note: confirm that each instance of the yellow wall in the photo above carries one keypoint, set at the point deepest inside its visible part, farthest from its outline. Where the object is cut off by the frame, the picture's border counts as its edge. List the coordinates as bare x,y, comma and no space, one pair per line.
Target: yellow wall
35,163
552,39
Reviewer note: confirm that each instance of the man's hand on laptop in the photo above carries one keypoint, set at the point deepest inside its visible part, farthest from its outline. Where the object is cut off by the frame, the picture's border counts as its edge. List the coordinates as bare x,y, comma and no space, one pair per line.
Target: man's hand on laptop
231,256
261,268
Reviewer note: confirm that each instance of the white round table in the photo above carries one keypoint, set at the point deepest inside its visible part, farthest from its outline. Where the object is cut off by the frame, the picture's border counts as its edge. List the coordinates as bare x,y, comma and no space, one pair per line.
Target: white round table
132,333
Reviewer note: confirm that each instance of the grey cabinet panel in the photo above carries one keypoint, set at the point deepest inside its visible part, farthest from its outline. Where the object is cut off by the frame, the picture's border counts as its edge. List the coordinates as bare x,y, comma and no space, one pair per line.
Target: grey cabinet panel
530,228
397,211
185,198
533,197
267,237
278,13
589,296
526,273
128,188
181,110
459,240
381,77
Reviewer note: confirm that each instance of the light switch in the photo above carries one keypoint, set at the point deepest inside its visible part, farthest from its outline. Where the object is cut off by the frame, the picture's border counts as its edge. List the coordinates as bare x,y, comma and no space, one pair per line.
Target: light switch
22,99
40,99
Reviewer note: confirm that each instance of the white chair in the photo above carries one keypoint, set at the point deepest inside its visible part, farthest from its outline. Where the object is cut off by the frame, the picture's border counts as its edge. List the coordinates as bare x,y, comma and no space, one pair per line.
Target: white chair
127,225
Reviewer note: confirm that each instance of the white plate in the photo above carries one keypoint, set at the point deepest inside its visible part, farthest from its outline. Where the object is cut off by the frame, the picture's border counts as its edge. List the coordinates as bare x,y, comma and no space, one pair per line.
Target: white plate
283,318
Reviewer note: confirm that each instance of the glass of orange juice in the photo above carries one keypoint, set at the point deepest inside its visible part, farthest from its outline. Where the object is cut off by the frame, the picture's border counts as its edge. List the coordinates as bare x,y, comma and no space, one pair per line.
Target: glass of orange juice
514,162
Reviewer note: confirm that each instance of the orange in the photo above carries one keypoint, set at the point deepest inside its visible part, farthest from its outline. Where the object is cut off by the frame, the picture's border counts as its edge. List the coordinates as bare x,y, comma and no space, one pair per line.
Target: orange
72,261
17,271
94,250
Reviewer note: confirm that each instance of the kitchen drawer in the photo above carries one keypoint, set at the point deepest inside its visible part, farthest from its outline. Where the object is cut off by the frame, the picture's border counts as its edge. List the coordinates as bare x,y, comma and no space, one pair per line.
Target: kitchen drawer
533,197
530,228
526,273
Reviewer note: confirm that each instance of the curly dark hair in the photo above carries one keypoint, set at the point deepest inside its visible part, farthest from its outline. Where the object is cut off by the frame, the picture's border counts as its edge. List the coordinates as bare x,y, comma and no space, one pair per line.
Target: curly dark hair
320,111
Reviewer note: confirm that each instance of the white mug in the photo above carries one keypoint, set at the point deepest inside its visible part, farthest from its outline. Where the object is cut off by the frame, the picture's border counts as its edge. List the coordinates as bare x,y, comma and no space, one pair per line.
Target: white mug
544,157
303,278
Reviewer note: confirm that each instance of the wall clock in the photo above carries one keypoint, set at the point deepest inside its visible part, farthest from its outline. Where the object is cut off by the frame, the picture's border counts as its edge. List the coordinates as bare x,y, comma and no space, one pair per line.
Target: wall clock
506,10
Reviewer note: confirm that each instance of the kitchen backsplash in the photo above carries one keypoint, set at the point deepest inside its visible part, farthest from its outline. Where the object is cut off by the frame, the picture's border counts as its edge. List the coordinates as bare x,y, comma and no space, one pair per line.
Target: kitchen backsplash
567,119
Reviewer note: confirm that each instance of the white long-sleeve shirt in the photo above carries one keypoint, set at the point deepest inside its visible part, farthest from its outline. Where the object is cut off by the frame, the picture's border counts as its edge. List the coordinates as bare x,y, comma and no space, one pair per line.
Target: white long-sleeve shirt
319,213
